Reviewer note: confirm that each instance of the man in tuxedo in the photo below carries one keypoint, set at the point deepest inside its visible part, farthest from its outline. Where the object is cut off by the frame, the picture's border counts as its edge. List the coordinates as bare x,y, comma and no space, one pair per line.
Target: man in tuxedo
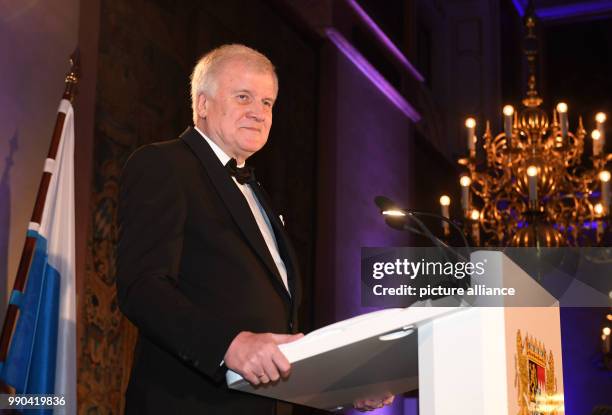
205,269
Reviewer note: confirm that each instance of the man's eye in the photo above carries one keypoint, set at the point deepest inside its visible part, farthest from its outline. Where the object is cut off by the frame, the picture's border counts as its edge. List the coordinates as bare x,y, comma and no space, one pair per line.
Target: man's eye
243,97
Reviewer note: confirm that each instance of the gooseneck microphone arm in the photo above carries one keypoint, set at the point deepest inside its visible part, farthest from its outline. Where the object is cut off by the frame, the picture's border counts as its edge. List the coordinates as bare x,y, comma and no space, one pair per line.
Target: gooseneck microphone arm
385,204
442,218
429,235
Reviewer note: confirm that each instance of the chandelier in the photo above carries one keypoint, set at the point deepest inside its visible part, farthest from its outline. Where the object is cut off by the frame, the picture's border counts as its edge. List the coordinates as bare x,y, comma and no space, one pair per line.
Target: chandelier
535,186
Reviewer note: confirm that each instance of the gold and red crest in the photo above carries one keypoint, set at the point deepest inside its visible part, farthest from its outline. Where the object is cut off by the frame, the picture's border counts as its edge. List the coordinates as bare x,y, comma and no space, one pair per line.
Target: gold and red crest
535,379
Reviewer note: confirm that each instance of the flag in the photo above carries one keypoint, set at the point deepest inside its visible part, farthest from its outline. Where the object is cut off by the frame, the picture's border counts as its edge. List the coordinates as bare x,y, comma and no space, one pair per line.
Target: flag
42,355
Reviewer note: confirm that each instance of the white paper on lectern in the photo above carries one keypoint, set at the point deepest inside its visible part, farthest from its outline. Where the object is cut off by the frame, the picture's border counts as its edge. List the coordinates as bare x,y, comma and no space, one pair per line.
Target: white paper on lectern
348,360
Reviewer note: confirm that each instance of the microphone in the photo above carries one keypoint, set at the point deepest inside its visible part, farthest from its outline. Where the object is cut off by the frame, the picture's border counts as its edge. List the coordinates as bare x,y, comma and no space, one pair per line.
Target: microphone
384,203
397,218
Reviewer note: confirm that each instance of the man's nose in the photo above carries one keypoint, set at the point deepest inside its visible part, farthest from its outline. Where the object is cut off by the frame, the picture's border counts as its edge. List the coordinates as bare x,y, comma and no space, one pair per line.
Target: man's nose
256,116
257,112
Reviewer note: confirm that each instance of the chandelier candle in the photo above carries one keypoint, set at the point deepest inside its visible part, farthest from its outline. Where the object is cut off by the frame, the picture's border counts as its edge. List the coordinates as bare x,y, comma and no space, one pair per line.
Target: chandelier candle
600,119
470,123
444,204
604,176
465,183
596,136
562,110
532,173
599,212
508,112
475,216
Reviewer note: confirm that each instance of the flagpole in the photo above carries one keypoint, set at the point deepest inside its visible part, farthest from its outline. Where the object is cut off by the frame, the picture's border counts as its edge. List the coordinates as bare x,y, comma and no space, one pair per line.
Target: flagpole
30,242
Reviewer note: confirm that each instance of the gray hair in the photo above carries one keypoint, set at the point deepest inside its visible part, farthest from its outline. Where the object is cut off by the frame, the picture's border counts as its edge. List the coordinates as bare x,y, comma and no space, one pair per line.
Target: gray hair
204,75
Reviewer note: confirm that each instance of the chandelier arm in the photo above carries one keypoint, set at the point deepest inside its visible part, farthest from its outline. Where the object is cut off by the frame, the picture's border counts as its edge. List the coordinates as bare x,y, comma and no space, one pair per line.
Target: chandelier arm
499,151
488,184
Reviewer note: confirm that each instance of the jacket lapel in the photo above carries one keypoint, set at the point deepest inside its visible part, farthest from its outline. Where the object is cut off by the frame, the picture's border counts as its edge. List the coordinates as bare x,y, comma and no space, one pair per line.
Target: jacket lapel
284,244
234,200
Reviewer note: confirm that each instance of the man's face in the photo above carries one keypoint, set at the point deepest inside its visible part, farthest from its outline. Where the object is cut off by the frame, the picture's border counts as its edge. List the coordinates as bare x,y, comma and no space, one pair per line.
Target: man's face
238,115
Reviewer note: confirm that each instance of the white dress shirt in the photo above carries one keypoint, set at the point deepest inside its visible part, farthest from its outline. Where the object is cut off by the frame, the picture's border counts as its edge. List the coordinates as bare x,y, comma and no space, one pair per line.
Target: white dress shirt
265,227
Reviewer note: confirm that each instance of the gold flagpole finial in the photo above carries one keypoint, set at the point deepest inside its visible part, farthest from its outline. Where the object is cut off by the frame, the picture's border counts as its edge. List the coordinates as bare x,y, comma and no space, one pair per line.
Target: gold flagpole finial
73,76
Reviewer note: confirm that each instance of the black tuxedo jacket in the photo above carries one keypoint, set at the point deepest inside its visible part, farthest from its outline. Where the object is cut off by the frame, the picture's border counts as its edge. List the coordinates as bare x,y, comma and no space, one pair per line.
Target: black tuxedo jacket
193,271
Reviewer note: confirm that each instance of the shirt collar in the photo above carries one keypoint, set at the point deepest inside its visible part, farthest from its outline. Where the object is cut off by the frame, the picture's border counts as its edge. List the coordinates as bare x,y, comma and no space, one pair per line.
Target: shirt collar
223,158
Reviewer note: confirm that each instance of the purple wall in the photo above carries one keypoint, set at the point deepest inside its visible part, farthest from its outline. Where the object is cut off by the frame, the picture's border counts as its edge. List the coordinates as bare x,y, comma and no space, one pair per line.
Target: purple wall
365,147
585,382
373,142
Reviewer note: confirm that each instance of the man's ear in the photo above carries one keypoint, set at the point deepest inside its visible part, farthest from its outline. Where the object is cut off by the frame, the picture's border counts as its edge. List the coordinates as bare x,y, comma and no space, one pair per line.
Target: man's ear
202,106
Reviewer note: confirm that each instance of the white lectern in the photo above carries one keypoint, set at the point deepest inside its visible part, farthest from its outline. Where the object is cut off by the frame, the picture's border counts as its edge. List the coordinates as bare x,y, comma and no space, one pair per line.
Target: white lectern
490,358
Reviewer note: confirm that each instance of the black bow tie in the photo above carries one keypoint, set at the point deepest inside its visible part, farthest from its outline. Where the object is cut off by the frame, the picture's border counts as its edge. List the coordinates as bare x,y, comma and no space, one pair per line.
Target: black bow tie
242,174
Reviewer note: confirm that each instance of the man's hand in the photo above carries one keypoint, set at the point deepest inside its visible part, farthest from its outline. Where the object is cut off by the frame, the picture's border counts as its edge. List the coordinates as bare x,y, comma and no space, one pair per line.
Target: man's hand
257,358
372,403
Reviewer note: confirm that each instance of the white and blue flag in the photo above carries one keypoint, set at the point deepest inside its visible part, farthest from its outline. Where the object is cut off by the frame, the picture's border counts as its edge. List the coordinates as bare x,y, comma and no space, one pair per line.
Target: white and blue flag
42,354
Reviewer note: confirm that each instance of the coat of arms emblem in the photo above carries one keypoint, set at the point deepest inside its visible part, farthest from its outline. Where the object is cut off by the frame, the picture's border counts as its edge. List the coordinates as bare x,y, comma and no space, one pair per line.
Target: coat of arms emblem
535,379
